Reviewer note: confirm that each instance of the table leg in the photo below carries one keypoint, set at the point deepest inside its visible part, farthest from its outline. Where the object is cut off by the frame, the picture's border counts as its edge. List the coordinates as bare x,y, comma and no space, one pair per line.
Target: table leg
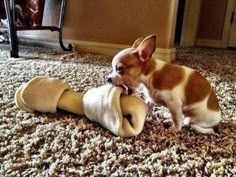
61,21
10,12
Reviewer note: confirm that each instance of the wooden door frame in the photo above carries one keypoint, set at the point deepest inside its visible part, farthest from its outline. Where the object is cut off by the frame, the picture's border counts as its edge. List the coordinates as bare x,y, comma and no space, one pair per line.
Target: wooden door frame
227,24
190,26
190,23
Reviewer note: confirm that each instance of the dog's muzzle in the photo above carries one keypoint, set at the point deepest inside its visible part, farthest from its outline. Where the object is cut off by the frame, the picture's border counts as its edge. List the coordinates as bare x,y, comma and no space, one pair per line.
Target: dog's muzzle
128,91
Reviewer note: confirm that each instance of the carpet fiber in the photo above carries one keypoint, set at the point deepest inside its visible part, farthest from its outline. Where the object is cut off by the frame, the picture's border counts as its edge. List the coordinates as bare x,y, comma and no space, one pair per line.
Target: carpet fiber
64,144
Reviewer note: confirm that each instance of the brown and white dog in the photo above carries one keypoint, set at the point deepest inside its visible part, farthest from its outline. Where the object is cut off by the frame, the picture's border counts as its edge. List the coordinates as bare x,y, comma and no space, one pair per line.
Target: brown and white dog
185,92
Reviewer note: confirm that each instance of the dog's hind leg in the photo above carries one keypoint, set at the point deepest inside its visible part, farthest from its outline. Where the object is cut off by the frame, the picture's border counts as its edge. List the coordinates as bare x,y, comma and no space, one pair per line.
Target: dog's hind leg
205,121
202,129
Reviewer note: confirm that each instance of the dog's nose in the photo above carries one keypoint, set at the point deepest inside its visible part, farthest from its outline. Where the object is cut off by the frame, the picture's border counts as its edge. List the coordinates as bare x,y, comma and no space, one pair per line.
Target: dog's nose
109,80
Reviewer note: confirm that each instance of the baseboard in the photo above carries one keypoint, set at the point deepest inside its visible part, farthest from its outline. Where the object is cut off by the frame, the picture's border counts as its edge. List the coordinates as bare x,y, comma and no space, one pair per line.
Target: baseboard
97,47
35,41
209,43
167,55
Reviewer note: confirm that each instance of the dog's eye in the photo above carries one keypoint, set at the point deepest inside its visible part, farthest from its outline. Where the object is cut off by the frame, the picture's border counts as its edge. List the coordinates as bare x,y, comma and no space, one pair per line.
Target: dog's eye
119,69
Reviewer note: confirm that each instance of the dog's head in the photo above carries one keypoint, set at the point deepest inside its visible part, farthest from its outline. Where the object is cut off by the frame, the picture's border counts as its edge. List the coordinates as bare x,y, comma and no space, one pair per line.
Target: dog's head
129,64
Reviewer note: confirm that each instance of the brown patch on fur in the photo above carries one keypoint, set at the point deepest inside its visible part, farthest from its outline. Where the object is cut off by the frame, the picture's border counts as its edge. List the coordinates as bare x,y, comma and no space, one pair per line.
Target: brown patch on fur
197,88
128,64
212,102
168,77
149,67
127,58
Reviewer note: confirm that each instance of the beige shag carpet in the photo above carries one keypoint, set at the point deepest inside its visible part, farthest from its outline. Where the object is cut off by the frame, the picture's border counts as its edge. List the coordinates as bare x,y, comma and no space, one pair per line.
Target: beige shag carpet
64,144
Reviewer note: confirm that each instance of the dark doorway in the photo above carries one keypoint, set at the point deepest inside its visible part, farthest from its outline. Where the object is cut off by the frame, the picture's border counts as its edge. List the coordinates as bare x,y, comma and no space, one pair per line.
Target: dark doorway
179,22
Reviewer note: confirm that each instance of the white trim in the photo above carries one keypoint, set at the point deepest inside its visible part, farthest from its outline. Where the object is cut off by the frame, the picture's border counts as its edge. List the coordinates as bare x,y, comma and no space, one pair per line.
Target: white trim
97,47
167,55
209,43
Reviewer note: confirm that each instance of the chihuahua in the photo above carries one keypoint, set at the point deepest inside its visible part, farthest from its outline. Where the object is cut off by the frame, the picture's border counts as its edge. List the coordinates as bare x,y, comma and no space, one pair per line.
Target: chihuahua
187,94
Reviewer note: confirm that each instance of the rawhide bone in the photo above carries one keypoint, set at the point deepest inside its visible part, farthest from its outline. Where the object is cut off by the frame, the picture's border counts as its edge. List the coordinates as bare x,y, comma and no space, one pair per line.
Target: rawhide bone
123,115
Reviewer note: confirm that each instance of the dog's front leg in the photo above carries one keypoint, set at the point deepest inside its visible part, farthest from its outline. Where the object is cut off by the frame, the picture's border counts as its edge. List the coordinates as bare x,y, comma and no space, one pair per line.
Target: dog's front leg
150,105
175,108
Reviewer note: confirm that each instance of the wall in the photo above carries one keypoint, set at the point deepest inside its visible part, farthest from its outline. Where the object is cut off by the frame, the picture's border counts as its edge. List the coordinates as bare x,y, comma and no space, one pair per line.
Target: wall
114,21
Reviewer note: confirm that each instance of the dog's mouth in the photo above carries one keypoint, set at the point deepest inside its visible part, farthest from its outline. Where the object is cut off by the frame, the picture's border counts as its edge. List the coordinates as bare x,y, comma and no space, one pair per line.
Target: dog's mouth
127,89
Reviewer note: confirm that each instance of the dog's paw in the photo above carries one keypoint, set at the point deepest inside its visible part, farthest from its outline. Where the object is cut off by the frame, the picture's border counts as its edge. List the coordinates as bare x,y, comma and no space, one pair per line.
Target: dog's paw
167,123
173,129
150,105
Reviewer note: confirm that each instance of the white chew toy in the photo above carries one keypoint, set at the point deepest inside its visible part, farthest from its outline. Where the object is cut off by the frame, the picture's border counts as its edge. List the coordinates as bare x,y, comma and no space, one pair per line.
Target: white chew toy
123,115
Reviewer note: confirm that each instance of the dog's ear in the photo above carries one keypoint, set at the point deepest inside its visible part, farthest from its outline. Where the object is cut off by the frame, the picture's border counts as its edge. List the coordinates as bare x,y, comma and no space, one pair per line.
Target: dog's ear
147,47
137,42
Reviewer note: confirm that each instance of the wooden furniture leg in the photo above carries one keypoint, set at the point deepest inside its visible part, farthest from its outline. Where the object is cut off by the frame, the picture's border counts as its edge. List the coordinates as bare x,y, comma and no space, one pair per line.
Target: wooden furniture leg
10,13
61,21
